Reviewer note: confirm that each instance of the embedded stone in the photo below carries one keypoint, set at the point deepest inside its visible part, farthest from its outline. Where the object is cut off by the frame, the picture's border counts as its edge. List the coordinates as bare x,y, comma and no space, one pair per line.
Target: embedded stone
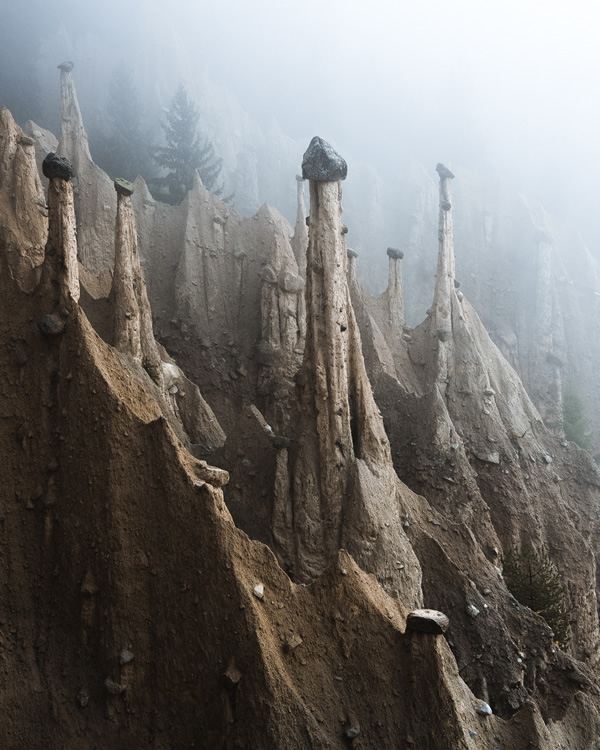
322,163
112,687
395,253
51,325
445,205
483,708
444,334
471,610
57,166
444,172
259,591
428,621
352,731
291,282
123,186
268,274
125,657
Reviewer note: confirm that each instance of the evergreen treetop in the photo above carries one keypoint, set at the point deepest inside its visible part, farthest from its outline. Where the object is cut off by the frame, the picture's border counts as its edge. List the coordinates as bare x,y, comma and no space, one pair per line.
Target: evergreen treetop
185,152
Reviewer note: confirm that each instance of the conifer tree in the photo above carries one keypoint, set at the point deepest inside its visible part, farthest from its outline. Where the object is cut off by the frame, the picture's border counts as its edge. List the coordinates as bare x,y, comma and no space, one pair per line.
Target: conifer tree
186,152
533,580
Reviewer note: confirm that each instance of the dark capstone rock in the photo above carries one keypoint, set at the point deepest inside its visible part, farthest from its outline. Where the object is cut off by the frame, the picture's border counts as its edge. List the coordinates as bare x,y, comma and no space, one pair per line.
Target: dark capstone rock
394,253
57,166
51,325
444,334
299,178
322,163
351,253
456,284
446,205
123,186
428,621
344,229
444,172
67,66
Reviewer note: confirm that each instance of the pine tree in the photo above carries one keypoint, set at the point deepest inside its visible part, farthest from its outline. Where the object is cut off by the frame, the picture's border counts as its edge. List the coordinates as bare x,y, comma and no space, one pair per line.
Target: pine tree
186,152
533,580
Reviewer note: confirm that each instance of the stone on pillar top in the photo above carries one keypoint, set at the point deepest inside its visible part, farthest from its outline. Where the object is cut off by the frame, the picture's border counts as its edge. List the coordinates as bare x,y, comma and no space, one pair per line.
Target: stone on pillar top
444,172
123,186
351,253
395,253
428,621
67,66
57,166
322,163
299,178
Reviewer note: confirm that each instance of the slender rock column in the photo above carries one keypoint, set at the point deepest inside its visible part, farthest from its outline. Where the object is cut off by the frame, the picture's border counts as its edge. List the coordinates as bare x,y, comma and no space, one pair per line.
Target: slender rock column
73,138
133,317
444,281
61,250
395,294
300,238
346,494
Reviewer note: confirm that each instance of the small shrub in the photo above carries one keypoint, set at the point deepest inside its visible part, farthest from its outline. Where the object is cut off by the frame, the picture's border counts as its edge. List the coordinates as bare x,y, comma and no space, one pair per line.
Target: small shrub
534,581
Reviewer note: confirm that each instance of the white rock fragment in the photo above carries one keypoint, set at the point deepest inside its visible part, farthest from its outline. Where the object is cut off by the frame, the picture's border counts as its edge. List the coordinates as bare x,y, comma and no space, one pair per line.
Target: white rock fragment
259,591
471,610
483,708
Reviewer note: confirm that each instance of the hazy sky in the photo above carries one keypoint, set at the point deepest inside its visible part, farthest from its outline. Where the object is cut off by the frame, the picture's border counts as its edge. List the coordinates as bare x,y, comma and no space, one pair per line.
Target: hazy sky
501,87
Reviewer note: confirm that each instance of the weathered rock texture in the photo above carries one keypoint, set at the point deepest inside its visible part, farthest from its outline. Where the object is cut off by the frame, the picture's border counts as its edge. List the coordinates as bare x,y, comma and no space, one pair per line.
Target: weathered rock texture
466,435
133,335
126,512
23,209
95,200
344,492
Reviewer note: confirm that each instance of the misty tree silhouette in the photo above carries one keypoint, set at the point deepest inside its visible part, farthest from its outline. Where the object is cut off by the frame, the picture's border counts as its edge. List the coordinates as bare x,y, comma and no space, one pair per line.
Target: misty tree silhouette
185,152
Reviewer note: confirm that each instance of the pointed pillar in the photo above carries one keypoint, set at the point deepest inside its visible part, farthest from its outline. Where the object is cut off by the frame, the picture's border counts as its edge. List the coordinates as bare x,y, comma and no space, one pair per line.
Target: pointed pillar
343,478
73,138
300,238
395,294
444,280
133,334
62,267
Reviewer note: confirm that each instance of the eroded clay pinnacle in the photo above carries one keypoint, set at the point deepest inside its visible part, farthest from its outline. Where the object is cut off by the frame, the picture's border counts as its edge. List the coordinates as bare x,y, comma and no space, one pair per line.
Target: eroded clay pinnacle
322,163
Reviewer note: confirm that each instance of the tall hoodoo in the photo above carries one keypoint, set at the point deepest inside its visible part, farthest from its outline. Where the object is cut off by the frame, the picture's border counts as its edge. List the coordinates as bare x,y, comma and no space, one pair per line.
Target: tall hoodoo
345,491
73,137
61,266
132,314
444,294
94,196
300,238
394,292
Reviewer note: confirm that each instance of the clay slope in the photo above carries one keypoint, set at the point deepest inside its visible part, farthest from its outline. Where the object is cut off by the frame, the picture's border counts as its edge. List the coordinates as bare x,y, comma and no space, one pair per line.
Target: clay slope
218,289
465,434
136,615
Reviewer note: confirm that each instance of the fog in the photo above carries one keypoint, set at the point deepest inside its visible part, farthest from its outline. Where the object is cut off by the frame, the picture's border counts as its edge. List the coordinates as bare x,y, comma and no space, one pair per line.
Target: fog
506,89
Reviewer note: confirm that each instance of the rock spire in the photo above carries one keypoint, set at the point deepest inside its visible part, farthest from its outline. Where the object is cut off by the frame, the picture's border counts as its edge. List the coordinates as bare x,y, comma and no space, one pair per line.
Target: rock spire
61,265
345,491
300,238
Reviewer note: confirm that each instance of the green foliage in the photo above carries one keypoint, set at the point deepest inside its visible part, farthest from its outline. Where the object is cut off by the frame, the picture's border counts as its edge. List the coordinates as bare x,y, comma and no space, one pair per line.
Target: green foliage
124,151
533,580
185,153
574,422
